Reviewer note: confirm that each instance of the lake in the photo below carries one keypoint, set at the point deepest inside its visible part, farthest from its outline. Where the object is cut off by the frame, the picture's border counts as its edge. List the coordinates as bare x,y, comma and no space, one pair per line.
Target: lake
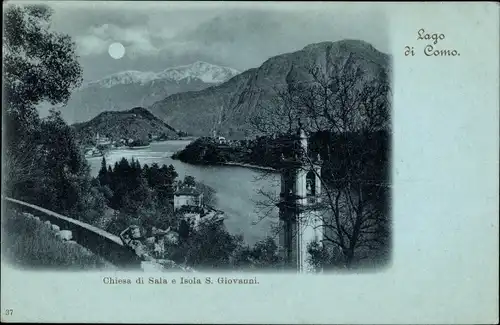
237,187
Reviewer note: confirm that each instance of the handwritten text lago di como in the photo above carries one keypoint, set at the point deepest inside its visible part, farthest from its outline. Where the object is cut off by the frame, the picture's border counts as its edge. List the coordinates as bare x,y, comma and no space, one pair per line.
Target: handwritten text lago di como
433,45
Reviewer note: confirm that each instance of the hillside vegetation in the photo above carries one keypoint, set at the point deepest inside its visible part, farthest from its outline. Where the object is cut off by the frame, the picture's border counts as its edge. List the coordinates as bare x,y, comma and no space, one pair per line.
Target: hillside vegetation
29,243
136,123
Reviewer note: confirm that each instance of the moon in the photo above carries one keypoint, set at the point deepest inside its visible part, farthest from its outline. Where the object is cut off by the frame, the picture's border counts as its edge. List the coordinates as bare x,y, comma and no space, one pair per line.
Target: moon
116,51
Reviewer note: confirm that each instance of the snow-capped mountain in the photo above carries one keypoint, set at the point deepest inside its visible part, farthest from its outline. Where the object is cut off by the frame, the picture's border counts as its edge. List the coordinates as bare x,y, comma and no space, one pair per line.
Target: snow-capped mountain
206,72
124,78
127,89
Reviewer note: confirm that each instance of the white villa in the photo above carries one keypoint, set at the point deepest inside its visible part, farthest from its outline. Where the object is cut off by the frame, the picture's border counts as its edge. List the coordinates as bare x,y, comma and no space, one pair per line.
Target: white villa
187,196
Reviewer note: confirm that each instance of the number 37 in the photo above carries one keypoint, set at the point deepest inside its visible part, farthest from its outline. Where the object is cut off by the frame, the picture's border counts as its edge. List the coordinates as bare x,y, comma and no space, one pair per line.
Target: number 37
9,312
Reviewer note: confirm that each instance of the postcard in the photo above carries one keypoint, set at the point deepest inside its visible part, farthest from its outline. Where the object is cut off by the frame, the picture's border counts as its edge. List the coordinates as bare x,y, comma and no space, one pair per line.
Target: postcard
250,162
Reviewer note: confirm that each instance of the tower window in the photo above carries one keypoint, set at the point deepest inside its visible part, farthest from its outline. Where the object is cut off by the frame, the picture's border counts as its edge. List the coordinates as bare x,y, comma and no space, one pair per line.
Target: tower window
311,184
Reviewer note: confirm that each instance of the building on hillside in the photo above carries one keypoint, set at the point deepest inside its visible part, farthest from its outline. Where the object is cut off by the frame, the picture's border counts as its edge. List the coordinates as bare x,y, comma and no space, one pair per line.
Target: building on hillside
187,196
195,215
102,141
193,218
93,152
217,138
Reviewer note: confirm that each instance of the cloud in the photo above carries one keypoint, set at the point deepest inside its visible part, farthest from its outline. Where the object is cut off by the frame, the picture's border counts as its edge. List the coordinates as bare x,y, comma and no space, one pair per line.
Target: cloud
136,40
91,45
158,35
246,38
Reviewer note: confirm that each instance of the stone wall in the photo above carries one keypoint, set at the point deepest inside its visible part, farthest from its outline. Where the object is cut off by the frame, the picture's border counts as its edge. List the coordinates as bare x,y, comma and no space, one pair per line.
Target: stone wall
98,241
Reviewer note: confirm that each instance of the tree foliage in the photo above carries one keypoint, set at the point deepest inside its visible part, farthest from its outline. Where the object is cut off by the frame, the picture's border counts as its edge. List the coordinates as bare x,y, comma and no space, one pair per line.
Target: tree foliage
44,163
39,65
263,255
344,107
212,246
140,193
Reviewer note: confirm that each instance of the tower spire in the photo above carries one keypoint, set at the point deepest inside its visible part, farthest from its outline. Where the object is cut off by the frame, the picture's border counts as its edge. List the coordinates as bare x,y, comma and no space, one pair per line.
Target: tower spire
302,140
299,212
300,128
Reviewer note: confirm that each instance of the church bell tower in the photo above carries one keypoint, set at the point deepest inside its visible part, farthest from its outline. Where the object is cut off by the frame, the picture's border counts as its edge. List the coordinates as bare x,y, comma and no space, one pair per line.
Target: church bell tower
299,206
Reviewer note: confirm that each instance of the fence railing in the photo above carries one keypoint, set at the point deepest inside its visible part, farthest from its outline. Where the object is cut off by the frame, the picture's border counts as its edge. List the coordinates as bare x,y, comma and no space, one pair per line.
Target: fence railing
100,242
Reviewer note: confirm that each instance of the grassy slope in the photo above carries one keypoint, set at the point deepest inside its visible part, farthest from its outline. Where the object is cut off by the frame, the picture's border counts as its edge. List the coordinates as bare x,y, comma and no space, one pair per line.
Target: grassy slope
28,243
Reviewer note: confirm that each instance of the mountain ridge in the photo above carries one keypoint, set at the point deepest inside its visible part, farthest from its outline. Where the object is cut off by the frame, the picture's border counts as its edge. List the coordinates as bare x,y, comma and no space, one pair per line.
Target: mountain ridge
133,88
135,123
206,72
227,108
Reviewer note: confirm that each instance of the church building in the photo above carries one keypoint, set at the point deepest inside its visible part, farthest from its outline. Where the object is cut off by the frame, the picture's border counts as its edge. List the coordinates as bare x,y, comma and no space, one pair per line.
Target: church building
300,212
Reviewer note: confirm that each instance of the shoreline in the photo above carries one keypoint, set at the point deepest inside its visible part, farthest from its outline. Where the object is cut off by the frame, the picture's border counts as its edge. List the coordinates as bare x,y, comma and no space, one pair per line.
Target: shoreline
190,138
137,147
232,164
235,164
228,164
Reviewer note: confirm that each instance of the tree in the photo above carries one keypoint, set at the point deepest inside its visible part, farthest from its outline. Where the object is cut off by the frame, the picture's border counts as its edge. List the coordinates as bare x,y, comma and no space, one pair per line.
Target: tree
46,165
39,65
137,198
184,229
103,176
21,170
169,172
263,255
209,194
120,184
131,191
346,105
66,175
208,246
189,181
